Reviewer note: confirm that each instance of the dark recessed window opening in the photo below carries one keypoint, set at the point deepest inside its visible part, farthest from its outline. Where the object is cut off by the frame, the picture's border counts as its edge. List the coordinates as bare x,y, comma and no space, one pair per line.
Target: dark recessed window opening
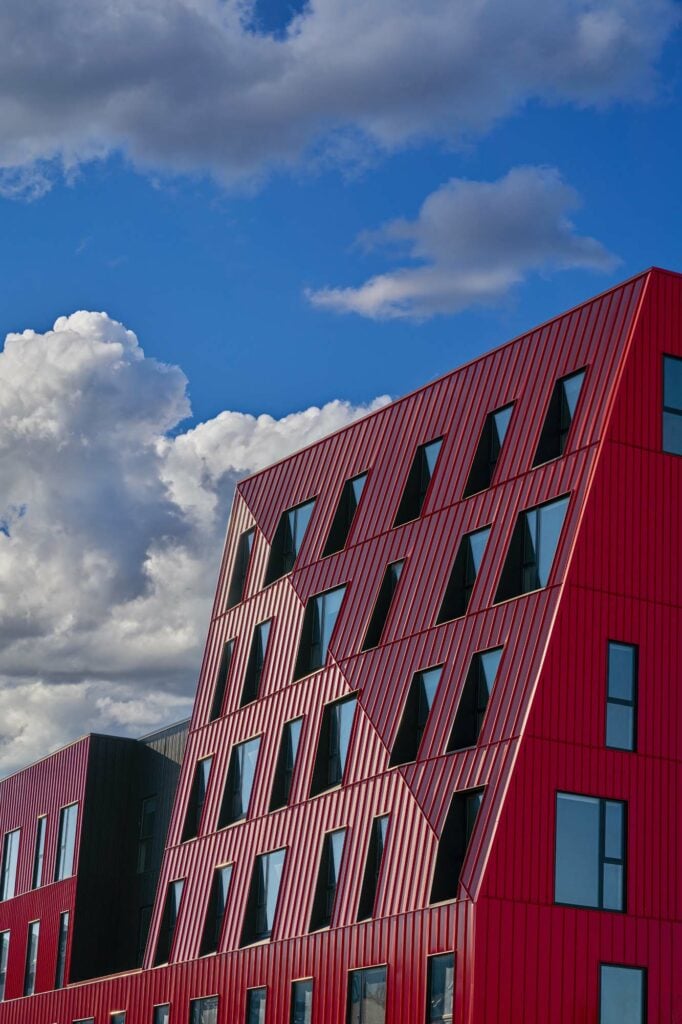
344,515
4,957
215,913
453,844
39,852
559,417
261,905
145,842
327,879
286,761
441,989
162,1014
532,549
463,575
370,881
302,1001
287,541
382,607
415,714
169,920
239,782
204,1011
254,667
622,995
621,697
332,748
672,405
320,616
119,1017
221,680
62,943
367,996
590,852
144,920
197,799
31,958
255,1005
473,703
241,568
488,451
421,472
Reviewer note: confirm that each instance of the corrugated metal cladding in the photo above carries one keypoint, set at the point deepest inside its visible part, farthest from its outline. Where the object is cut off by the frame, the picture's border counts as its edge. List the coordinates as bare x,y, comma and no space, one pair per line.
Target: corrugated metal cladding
616,576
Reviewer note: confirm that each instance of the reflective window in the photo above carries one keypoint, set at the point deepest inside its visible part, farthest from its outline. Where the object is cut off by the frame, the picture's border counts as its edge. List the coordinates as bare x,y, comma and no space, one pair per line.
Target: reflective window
204,1011
171,910
66,846
10,859
254,667
441,988
473,703
453,844
672,405
239,783
463,575
532,549
263,892
119,1017
621,697
375,855
318,625
255,1005
367,996
218,703
286,761
327,879
4,955
332,749
197,798
421,472
241,568
31,958
287,540
345,513
162,1014
302,1001
39,852
488,451
622,997
382,607
559,417
590,852
415,714
215,914
60,972
145,842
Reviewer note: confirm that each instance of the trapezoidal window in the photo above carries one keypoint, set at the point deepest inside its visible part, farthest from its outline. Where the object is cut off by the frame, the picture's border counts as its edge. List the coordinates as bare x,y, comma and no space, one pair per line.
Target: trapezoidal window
327,879
254,666
239,782
375,855
531,552
672,405
415,714
421,472
473,703
218,703
559,417
169,920
241,568
382,607
286,762
261,905
453,844
319,619
488,451
332,749
344,515
463,575
197,799
215,913
287,541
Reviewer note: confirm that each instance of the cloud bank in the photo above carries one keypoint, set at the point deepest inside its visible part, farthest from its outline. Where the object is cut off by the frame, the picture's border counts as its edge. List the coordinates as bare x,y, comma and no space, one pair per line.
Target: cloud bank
192,86
111,530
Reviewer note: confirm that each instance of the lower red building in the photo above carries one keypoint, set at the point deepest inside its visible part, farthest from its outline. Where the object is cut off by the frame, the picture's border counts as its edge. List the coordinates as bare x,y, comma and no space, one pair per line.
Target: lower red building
434,767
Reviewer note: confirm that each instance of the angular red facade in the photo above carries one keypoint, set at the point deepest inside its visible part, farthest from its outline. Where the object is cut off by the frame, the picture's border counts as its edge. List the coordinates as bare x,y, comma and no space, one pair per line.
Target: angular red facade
485,760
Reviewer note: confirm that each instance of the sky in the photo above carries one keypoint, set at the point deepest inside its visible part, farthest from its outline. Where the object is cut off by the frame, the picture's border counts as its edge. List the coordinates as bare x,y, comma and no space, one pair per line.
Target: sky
229,227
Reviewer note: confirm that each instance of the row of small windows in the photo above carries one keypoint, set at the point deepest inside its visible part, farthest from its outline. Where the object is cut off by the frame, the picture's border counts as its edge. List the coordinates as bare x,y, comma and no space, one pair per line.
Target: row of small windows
31,962
66,846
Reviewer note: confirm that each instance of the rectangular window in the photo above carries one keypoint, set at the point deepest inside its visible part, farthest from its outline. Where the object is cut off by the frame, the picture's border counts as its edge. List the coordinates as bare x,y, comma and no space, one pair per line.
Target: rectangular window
118,1017
241,568
302,1001
62,946
254,667
31,958
415,714
440,988
672,405
10,859
345,513
255,1005
4,956
367,996
488,451
144,919
389,585
218,704
453,844
215,914
66,846
239,782
473,703
319,619
559,416
162,1014
463,575
375,856
622,995
621,697
39,852
531,552
204,1011
261,905
332,748
287,540
590,852
169,920
145,842
327,879
197,798
421,472
286,761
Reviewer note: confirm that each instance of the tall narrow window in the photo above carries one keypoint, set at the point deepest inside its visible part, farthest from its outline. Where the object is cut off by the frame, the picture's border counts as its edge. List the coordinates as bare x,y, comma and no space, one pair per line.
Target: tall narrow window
118,1017
239,783
320,616
215,914
590,852
382,607
10,859
672,405
261,905
255,1005
302,1001
532,549
241,568
144,919
344,515
327,879
4,956
171,910
559,417
197,799
31,958
488,451
66,845
204,1011
254,667
162,1013
145,841
286,761
62,945
621,697
367,996
39,852
287,541
622,995
415,714
441,989
421,472
453,844
218,702
463,575
332,749
375,854
473,703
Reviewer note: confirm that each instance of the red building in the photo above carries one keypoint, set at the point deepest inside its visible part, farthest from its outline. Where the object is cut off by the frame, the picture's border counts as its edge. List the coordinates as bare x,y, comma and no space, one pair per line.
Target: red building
434,767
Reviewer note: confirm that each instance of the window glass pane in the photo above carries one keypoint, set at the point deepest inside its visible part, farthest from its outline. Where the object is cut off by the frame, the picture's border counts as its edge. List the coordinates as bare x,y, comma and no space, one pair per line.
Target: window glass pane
302,1001
622,671
672,433
255,1006
441,988
345,711
502,418
10,858
68,821
577,850
612,898
672,382
204,1011
478,541
31,958
490,662
613,830
61,949
367,996
302,518
39,852
241,568
162,1014
286,761
572,386
622,995
358,484
4,954
620,726
331,604
118,1018
551,519
431,452
273,864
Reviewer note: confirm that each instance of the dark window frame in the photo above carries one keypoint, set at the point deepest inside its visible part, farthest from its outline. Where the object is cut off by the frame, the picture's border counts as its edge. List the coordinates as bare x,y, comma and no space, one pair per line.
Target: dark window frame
372,880
429,983
342,523
230,788
167,934
306,663
38,871
384,966
383,605
240,568
214,921
261,989
31,960
460,583
520,562
255,665
196,804
602,858
485,461
221,680
478,710
562,432
406,722
671,410
202,999
280,551
620,701
413,481
62,950
326,893
327,757
645,986
280,792
444,849
60,861
249,936
145,839
300,981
